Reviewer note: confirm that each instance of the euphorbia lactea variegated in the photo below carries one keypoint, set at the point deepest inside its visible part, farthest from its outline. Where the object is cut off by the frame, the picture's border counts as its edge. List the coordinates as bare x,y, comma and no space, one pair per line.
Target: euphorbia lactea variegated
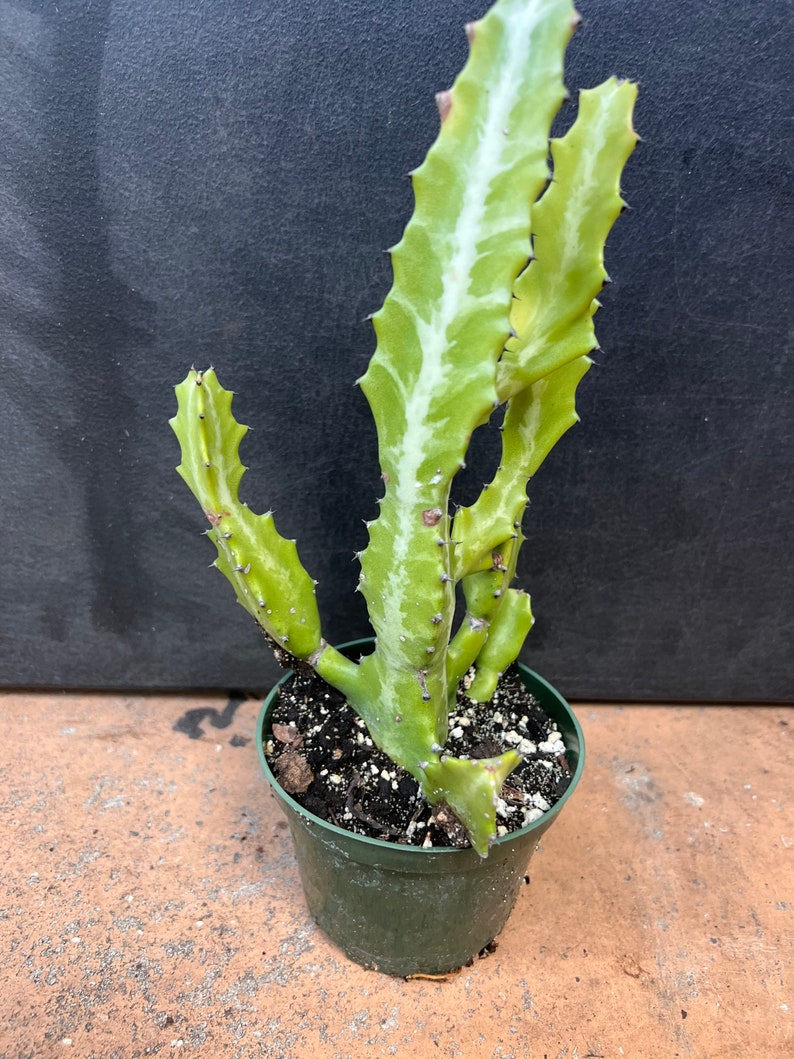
495,286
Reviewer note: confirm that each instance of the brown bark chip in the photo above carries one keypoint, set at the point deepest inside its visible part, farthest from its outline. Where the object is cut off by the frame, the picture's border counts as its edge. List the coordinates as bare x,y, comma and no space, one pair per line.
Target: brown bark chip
294,773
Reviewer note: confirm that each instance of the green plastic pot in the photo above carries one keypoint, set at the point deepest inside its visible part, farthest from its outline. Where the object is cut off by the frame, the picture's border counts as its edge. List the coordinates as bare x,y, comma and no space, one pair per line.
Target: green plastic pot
407,910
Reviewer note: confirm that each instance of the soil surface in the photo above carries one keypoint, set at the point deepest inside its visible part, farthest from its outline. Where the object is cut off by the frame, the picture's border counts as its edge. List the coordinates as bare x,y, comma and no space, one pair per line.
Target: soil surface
323,756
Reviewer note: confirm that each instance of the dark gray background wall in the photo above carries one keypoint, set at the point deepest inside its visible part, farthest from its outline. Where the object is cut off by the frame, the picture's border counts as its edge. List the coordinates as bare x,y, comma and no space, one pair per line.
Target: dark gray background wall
193,182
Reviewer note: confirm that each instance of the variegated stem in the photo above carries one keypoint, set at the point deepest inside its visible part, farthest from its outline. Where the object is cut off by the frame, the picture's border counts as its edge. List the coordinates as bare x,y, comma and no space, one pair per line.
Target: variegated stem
440,334
263,566
570,225
556,295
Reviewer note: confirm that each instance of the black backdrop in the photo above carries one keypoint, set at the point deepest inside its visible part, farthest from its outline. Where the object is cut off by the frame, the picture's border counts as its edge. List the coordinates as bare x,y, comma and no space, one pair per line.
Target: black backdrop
195,182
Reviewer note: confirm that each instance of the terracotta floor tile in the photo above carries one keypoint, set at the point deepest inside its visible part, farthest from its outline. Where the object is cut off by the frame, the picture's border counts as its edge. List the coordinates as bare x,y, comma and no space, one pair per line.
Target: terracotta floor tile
150,904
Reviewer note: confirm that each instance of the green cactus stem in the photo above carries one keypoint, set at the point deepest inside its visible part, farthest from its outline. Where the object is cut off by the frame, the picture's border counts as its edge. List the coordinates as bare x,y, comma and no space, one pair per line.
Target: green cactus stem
468,326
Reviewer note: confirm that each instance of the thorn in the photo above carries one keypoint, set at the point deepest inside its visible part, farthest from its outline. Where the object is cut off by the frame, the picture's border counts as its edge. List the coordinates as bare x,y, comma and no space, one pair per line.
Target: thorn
471,32
445,578
607,279
201,415
437,618
576,21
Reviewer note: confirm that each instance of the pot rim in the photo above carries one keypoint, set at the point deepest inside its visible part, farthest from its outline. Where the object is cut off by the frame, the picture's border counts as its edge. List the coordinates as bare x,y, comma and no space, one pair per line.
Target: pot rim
542,823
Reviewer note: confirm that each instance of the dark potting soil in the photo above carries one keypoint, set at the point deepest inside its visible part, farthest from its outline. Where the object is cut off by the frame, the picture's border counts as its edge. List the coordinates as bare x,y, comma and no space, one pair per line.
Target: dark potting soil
322,754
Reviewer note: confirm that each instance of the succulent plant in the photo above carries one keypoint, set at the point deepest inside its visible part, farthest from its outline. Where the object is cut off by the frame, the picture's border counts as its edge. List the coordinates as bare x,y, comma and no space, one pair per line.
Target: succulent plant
495,286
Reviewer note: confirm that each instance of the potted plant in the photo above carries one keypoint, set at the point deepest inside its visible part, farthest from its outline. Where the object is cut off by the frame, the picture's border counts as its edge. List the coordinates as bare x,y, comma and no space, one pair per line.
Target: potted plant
491,312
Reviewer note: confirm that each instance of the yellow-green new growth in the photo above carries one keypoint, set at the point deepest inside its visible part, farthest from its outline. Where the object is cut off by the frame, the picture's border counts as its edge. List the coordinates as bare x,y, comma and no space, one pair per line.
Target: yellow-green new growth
467,326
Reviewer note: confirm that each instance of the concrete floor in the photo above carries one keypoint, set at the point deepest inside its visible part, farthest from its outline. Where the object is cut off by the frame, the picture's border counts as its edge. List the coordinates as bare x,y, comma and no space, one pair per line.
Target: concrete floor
150,904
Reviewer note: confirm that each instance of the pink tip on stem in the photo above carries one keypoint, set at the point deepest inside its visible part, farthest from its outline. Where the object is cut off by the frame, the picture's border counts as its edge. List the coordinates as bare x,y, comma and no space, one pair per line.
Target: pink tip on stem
444,104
